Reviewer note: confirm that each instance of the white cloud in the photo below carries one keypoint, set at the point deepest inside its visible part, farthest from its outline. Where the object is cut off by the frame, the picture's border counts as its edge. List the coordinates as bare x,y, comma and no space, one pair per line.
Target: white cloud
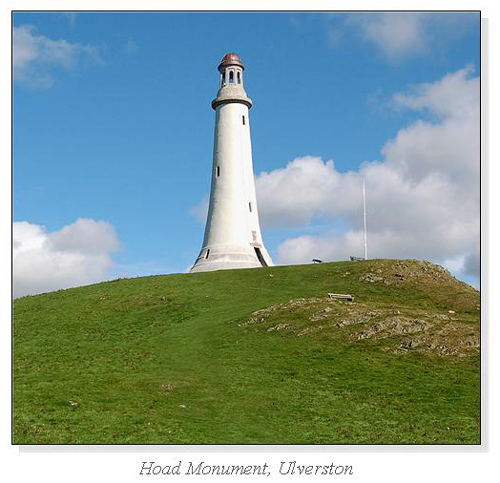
70,17
200,211
305,188
403,34
450,97
472,263
423,196
131,47
395,33
78,254
35,56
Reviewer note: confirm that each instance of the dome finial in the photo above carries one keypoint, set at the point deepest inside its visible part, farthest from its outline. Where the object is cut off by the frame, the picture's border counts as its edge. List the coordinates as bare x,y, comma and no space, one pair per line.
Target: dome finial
231,58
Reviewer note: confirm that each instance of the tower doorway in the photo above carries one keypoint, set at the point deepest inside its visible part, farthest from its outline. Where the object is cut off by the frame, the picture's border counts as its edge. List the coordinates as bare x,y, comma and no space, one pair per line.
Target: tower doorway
260,257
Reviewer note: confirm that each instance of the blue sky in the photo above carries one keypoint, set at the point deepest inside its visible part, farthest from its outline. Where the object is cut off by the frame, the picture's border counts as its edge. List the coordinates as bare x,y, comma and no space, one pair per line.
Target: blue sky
113,126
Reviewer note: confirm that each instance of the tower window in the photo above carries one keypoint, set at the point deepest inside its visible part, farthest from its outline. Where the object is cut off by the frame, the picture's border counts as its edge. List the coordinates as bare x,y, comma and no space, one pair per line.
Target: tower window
250,207
243,120
218,171
224,78
231,77
238,77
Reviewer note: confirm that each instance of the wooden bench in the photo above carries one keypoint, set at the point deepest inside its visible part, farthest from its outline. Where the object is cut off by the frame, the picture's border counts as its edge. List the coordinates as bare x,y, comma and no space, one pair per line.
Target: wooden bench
341,296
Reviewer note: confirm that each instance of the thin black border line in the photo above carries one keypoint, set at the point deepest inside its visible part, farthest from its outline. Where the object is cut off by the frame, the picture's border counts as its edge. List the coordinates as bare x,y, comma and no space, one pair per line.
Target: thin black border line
481,353
247,11
332,446
12,228
480,240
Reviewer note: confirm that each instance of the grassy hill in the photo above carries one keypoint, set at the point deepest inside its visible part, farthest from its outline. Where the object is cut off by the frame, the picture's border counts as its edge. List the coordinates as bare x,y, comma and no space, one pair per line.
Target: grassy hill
252,356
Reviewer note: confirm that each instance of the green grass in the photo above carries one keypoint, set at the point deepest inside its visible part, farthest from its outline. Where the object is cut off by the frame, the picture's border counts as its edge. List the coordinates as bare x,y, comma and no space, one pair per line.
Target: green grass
170,360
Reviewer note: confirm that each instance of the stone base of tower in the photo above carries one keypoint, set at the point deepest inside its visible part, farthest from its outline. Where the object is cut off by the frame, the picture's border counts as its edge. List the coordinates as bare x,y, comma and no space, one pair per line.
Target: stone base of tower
226,257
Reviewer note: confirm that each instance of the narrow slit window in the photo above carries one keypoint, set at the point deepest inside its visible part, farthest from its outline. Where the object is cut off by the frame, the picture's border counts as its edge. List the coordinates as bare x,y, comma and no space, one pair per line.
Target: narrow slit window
208,253
224,78
243,120
238,78
218,171
231,77
250,206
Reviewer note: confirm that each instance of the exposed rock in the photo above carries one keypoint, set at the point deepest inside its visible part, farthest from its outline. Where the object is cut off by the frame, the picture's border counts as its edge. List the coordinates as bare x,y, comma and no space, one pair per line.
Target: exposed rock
262,315
352,321
399,350
279,327
323,314
452,327
405,271
371,277
441,317
310,330
440,345
167,386
394,326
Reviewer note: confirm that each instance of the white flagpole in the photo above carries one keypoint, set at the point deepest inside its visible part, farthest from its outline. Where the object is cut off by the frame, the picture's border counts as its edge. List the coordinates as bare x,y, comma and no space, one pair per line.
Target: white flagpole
364,219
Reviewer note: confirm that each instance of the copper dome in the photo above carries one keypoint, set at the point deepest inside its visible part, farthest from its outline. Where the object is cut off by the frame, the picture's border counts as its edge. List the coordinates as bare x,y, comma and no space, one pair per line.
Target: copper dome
231,59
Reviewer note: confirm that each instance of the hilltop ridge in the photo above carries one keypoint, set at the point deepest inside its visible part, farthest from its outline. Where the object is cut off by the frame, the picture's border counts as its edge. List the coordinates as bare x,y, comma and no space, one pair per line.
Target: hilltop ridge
252,356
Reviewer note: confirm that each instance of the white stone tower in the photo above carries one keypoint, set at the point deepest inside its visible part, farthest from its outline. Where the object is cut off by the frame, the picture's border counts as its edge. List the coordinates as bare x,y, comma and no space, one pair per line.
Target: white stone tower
232,233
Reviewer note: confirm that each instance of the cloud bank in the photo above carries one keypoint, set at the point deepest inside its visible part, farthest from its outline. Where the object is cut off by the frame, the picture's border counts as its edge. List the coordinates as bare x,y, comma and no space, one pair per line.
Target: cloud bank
422,196
78,254
36,56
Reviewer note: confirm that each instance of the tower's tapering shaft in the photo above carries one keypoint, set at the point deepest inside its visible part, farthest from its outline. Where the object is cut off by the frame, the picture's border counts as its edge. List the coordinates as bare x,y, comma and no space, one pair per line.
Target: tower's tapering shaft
232,233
